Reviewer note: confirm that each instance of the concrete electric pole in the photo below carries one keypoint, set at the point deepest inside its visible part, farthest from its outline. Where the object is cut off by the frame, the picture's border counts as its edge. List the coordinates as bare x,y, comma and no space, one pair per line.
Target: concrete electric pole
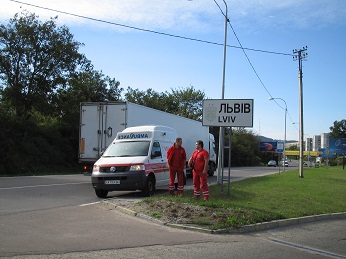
300,55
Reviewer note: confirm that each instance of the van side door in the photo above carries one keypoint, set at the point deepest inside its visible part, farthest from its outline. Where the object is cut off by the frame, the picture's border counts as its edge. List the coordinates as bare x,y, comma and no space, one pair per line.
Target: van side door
158,164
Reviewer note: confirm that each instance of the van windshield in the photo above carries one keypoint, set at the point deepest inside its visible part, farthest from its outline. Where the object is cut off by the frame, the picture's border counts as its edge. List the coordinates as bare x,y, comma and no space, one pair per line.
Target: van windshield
127,149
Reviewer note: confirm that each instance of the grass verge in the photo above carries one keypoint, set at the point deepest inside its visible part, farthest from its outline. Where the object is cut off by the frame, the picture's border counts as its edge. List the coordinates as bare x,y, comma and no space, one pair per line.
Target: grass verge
260,199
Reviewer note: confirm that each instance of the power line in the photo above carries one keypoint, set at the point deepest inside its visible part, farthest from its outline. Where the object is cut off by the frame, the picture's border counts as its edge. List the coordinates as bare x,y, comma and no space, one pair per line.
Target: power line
175,36
147,30
248,59
253,68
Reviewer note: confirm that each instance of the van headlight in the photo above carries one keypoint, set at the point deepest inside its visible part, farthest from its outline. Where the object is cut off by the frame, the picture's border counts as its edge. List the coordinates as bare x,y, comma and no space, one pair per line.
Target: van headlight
96,169
137,168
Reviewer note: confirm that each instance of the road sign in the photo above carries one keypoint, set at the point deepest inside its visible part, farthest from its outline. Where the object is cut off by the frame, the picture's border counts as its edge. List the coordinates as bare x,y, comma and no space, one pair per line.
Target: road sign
280,147
228,113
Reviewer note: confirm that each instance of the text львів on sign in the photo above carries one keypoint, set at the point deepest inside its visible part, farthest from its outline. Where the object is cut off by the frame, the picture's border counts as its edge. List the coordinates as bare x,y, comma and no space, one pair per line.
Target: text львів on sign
228,113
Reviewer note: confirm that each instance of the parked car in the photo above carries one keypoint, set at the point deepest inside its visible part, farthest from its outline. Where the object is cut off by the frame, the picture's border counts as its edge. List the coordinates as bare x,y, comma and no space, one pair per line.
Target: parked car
284,163
272,163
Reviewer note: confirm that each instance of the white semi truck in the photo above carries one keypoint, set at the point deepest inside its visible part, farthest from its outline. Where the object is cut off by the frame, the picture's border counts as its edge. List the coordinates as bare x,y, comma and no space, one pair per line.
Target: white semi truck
101,121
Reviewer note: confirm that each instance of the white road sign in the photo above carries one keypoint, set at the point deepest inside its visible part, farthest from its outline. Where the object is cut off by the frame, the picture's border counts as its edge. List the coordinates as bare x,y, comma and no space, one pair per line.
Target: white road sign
228,112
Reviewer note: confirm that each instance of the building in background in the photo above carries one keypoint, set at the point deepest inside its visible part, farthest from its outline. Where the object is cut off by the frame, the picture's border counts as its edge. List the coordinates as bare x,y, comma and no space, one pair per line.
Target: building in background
308,144
324,140
316,142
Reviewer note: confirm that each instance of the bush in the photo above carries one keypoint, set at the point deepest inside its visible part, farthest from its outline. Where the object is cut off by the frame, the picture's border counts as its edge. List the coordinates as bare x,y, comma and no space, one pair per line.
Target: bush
339,160
28,148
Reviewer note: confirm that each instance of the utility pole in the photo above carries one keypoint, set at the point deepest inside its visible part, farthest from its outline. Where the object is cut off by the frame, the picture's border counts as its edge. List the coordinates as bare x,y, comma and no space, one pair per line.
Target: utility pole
222,129
300,55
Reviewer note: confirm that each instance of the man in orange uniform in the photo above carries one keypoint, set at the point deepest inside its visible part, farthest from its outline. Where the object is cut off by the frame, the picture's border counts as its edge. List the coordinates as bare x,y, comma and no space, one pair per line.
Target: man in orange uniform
200,160
176,158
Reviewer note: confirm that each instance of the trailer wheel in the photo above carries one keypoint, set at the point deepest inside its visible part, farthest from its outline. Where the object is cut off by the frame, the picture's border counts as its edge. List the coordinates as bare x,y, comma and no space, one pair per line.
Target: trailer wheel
101,193
189,173
149,188
211,169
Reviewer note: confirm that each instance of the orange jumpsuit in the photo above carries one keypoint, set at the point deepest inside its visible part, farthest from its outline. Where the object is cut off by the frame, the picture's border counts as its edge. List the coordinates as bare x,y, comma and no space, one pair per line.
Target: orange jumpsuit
200,180
176,158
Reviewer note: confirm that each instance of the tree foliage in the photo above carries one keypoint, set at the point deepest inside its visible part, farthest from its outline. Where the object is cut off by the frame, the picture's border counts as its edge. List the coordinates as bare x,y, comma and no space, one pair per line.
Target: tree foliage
86,86
148,98
189,102
338,130
186,102
43,79
245,151
36,60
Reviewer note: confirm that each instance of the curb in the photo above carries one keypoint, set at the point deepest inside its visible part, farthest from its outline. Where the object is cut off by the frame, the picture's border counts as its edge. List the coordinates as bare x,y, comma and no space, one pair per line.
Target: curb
243,229
113,206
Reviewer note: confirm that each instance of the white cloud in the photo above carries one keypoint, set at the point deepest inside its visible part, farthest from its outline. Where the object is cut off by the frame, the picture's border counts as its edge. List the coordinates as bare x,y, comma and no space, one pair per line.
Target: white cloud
200,15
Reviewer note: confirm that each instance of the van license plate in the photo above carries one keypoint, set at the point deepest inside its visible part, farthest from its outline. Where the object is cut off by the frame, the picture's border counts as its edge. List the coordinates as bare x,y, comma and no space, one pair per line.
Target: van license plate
112,182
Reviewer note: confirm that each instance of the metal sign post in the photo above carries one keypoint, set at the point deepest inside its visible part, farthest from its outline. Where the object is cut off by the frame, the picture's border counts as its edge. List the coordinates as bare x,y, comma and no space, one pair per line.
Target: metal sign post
227,113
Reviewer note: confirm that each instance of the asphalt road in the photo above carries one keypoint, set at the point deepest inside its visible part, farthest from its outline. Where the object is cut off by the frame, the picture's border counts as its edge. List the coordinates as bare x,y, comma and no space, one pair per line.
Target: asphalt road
60,217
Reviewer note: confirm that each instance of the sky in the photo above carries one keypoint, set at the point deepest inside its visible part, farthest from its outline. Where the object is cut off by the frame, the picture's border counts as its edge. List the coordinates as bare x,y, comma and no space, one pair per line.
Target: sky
268,30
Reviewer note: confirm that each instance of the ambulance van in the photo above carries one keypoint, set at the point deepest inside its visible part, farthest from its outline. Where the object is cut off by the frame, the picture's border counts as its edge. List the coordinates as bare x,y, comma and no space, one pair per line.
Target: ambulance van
135,160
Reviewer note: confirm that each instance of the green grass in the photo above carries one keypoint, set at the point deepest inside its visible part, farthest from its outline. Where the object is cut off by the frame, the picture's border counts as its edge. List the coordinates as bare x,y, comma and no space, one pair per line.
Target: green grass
279,196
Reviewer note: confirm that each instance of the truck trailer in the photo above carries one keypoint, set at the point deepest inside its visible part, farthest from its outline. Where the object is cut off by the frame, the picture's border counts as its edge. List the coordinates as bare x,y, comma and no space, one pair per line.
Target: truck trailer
101,121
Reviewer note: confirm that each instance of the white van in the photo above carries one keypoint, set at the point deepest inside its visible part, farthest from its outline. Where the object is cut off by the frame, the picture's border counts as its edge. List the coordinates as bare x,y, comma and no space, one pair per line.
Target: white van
135,160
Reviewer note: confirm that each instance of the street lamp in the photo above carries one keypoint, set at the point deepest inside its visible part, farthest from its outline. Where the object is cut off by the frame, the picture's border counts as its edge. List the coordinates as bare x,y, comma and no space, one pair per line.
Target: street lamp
222,130
284,151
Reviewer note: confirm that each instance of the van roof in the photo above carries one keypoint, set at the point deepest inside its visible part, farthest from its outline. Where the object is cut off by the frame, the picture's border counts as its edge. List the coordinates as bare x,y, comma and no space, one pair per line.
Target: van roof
158,132
149,128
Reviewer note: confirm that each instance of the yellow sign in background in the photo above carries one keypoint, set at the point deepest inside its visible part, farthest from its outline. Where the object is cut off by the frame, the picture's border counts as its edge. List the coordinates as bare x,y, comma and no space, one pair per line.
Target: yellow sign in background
305,153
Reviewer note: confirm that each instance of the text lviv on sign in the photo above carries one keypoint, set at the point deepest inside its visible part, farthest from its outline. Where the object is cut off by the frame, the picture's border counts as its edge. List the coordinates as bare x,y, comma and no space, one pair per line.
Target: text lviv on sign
228,113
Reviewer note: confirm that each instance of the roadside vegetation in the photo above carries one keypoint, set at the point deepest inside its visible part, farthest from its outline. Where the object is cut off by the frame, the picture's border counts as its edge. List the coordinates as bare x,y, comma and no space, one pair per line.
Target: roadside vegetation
254,200
44,77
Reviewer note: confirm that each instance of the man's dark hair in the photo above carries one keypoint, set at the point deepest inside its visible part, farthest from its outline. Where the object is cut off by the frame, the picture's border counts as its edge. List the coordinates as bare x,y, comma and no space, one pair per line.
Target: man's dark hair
200,142
178,139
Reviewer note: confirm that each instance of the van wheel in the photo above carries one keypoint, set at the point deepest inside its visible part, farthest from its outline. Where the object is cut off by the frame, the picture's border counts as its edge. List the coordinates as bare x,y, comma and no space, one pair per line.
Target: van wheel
149,188
101,193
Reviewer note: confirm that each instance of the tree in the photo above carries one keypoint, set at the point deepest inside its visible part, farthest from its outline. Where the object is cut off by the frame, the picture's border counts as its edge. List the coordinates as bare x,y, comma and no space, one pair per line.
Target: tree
36,60
183,102
148,98
92,86
338,130
43,79
189,102
293,147
245,151
87,85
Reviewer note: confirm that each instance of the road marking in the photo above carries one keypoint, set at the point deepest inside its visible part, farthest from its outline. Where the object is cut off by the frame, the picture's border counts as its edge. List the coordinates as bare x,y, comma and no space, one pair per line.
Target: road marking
42,185
87,204
308,249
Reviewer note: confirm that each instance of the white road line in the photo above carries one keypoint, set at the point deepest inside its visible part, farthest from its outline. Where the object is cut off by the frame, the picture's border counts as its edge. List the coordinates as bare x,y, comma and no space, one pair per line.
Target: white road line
308,249
42,185
87,204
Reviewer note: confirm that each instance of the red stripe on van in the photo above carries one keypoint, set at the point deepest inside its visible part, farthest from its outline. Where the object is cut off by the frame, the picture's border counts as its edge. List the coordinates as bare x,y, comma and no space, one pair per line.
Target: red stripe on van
156,168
